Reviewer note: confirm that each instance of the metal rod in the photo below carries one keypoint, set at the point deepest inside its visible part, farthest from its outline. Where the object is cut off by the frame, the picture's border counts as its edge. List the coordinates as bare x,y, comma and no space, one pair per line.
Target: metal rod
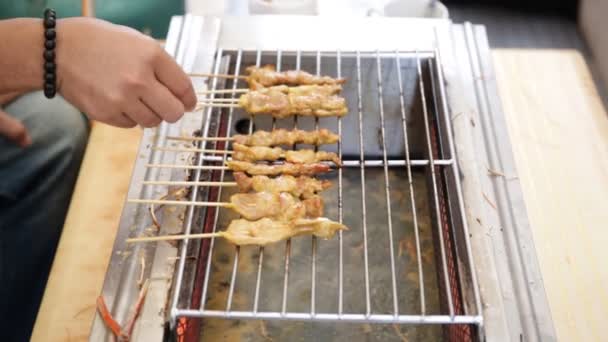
456,172
219,195
387,188
329,317
189,183
256,298
434,182
223,91
171,202
233,278
411,187
190,167
345,163
363,196
313,271
340,213
288,242
199,138
193,195
187,149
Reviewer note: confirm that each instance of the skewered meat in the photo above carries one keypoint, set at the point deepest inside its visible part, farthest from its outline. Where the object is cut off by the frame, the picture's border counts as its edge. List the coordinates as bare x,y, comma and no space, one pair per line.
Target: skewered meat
267,76
284,137
277,169
265,231
257,153
304,187
282,206
283,101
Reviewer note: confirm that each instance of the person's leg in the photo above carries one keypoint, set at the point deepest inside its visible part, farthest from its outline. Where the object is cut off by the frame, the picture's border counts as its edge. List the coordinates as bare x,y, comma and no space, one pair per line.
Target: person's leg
36,184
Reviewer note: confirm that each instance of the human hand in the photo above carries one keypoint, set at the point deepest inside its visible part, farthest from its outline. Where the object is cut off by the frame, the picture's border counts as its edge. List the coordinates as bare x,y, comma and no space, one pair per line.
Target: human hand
13,130
119,76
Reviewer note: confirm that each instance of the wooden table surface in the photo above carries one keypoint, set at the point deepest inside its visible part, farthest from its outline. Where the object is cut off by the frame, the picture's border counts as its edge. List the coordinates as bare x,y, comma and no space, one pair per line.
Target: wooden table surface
559,132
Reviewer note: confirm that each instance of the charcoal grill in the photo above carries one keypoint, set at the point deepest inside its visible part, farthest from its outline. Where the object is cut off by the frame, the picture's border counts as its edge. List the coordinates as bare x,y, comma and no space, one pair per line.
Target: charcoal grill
438,230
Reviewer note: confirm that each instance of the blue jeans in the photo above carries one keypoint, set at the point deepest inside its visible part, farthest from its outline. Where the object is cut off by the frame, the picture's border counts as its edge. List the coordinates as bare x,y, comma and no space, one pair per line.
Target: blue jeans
36,184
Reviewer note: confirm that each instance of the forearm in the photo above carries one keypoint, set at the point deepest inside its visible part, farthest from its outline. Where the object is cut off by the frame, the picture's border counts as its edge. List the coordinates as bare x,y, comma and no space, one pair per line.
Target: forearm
21,60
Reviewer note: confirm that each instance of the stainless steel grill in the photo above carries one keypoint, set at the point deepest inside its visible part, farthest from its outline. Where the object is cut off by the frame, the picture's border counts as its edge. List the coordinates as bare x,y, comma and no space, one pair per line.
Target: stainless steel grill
409,256
393,60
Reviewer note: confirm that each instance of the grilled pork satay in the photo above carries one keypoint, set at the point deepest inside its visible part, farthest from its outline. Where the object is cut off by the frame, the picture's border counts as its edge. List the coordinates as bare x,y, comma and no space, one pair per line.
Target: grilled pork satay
284,137
258,153
283,101
267,76
277,169
265,231
281,206
303,187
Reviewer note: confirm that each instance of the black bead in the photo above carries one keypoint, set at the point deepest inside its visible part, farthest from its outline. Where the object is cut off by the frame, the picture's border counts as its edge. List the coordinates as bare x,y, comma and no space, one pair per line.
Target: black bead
49,44
49,90
50,33
49,77
49,12
49,55
49,67
49,22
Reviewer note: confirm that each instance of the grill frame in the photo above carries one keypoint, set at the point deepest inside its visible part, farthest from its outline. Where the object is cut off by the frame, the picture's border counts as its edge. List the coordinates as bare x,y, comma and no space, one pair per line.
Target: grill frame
367,316
506,312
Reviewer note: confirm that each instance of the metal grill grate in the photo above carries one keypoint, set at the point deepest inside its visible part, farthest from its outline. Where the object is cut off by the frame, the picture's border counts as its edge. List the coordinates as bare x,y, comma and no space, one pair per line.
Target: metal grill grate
387,141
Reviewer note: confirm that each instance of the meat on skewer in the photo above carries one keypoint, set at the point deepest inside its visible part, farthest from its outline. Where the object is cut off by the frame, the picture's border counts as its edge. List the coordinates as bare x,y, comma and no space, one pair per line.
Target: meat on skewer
260,153
281,206
267,76
266,231
302,187
277,169
283,101
261,232
284,137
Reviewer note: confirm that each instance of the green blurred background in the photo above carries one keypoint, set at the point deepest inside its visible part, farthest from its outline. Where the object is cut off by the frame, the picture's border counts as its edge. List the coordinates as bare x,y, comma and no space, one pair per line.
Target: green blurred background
149,16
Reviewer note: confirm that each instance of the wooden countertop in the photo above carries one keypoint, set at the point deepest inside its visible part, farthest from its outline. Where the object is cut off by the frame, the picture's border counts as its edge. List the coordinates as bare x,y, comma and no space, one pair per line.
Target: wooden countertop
559,132
84,250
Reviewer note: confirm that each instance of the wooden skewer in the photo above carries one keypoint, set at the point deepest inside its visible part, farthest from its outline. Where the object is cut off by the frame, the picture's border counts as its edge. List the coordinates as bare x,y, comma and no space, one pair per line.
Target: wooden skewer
189,183
222,100
220,105
175,237
200,138
191,167
184,149
170,202
217,75
223,91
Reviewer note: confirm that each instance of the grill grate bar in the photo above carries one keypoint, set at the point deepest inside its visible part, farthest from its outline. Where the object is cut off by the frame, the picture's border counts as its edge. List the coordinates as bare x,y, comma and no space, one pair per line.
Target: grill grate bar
387,190
411,187
288,242
444,263
256,298
238,249
193,195
363,196
340,214
345,163
345,317
313,270
219,194
465,226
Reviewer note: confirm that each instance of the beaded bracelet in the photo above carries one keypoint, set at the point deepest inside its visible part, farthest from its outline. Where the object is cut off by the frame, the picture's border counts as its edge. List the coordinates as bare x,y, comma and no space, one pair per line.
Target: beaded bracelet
50,76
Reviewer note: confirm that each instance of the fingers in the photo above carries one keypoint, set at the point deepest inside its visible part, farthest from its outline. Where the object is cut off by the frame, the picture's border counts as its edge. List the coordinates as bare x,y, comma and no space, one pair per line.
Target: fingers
140,113
14,130
173,77
163,102
122,120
